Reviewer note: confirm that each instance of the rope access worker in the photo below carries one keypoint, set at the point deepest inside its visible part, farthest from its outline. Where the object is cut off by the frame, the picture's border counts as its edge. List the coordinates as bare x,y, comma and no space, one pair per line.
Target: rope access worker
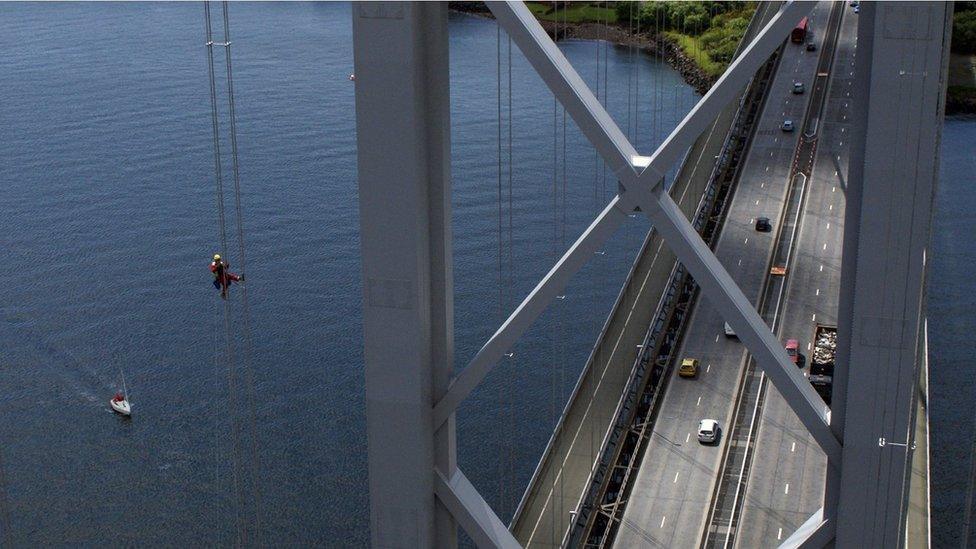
222,275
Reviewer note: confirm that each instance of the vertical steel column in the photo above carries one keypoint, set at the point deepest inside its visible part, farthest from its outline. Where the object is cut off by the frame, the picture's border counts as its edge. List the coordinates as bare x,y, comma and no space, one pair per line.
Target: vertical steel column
899,96
403,138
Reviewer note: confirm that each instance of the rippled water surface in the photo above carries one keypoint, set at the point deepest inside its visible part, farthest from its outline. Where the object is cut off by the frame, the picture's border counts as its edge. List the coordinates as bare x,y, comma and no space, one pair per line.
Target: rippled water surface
952,323
108,218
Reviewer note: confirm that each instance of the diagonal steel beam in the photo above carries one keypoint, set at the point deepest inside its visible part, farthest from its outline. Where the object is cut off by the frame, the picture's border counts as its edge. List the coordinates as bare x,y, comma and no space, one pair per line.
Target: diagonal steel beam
567,85
815,533
472,512
724,294
599,127
594,121
739,73
532,306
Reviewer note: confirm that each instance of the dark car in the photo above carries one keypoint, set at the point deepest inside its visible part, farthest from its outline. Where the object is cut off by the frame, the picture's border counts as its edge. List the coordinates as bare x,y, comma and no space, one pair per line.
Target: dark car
811,46
787,126
797,87
763,225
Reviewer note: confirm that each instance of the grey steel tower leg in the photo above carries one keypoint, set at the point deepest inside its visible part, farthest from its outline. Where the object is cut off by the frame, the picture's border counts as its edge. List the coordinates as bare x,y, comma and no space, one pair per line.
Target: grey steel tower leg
900,89
403,138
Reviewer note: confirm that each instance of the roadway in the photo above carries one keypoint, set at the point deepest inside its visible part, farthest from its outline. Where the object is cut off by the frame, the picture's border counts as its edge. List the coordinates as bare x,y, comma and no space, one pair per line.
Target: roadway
672,493
561,476
786,483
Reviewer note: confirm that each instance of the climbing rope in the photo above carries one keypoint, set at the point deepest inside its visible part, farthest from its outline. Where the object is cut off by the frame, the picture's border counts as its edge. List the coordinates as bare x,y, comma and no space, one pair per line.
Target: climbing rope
228,356
238,474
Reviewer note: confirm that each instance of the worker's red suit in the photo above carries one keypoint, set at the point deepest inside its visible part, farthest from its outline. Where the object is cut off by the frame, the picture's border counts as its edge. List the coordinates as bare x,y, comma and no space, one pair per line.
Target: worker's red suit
222,277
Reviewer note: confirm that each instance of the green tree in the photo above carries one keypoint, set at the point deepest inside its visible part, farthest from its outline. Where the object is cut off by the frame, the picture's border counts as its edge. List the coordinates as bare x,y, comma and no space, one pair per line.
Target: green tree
655,15
964,32
627,10
696,23
679,12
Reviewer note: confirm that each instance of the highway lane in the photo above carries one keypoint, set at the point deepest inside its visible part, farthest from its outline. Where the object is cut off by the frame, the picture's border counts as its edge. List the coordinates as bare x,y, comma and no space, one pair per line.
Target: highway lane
564,470
672,492
787,478
562,476
562,473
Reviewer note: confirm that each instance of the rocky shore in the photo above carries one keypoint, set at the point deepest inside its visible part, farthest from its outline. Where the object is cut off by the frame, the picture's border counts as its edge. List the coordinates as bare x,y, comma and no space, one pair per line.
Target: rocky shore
617,35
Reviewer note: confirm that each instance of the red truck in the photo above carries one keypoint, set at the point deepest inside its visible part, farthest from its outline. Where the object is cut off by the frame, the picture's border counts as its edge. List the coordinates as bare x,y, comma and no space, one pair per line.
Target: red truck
799,33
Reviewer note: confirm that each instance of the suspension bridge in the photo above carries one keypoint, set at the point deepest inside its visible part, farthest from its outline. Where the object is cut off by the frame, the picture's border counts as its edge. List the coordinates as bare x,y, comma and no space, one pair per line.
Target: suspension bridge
785,268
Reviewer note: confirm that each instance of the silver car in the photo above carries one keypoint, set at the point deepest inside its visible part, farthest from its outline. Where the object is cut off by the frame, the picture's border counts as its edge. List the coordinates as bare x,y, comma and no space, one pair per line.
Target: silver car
708,431
788,126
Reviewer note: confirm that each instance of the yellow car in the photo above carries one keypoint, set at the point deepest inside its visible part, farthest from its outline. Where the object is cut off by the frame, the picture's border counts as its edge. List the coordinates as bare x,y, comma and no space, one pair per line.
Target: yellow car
689,368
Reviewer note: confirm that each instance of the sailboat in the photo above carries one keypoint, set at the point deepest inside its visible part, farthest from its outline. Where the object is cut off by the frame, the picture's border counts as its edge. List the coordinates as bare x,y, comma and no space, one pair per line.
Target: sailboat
120,402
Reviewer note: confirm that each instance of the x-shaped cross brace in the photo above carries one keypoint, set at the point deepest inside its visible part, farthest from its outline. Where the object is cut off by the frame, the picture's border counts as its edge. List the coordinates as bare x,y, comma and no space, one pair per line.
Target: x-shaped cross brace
641,179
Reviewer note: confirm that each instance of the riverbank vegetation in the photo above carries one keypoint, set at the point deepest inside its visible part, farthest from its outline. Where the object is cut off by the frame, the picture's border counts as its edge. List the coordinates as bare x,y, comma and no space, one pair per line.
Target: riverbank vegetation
708,33
574,12
961,92
701,37
964,28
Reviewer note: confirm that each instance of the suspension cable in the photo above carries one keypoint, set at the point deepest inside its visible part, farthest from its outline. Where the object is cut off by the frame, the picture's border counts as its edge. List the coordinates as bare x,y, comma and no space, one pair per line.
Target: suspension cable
502,309
630,69
606,91
562,248
218,176
511,278
555,249
7,535
240,520
255,465
637,84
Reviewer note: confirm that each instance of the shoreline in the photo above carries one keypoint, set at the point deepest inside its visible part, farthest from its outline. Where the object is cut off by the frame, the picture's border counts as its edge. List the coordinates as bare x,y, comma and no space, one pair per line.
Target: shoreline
658,45
955,103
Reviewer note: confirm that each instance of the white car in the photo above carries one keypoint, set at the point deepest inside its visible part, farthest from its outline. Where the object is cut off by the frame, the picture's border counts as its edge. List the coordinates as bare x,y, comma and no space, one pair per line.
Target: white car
708,431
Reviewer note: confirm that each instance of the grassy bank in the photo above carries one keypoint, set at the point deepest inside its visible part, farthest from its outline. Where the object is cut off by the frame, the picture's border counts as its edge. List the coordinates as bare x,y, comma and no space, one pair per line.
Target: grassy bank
694,50
575,12
706,32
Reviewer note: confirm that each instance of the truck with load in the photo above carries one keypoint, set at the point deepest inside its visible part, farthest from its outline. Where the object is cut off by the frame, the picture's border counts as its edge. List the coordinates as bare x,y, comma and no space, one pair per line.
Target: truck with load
822,363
